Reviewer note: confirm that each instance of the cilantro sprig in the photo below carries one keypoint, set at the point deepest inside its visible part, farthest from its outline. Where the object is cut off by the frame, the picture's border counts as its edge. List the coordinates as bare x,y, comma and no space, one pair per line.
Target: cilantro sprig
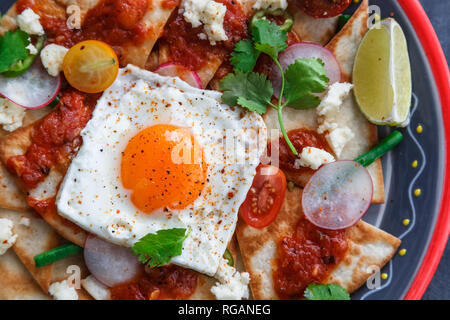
156,250
326,292
253,91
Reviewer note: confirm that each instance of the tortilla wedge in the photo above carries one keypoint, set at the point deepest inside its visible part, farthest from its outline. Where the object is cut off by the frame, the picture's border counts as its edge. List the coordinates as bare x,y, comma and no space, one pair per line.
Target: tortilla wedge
318,31
368,247
37,238
154,20
344,45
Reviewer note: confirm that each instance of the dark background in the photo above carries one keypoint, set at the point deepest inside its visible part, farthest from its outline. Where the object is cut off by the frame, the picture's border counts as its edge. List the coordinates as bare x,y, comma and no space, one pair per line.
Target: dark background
438,11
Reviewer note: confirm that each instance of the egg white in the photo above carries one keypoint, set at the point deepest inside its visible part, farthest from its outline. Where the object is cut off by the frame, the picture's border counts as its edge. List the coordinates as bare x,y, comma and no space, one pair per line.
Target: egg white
92,194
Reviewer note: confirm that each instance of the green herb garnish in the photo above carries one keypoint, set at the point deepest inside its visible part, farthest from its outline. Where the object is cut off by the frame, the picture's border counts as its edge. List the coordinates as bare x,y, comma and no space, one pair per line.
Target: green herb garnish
156,250
254,91
13,48
326,292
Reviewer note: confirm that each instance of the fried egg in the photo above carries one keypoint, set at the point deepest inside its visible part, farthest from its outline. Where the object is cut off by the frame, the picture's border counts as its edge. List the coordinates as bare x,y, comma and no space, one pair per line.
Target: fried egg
159,154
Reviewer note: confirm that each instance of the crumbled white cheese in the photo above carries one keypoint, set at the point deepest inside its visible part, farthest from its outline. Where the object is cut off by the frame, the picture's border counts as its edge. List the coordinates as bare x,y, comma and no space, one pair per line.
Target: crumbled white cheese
11,115
328,111
7,238
209,13
28,22
52,57
313,158
24,221
31,48
96,289
338,138
232,284
270,4
334,98
62,291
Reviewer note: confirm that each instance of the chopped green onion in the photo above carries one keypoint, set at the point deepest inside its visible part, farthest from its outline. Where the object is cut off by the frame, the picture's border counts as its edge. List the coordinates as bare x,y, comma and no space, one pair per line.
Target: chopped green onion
57,254
343,19
54,103
288,18
228,256
380,150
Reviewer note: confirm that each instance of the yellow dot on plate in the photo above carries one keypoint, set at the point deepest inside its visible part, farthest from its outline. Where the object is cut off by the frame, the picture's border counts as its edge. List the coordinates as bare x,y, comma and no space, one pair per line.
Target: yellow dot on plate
415,164
417,192
402,252
419,129
356,1
384,276
406,222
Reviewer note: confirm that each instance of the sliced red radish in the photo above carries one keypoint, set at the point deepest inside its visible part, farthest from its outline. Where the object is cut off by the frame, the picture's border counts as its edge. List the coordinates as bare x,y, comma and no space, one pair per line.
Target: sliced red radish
170,69
305,50
32,90
338,195
109,263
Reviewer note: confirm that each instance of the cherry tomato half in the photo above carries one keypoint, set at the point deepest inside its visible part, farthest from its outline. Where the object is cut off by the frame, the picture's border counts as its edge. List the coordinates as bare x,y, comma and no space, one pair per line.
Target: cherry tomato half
323,8
265,198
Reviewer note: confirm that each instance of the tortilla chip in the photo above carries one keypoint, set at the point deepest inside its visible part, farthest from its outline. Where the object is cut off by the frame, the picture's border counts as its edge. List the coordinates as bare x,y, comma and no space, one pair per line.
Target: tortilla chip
313,30
16,283
368,247
35,239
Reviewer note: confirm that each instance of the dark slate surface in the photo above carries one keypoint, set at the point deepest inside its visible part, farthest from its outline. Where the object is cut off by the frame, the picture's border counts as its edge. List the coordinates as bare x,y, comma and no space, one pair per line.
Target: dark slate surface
438,12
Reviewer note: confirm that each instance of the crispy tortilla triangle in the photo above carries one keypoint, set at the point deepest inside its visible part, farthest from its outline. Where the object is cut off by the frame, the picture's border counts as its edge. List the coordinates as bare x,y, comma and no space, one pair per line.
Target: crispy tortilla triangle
35,239
318,31
368,247
344,45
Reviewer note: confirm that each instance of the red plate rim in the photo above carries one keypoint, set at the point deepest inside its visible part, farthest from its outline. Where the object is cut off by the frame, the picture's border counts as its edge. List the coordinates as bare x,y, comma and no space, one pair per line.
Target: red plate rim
439,67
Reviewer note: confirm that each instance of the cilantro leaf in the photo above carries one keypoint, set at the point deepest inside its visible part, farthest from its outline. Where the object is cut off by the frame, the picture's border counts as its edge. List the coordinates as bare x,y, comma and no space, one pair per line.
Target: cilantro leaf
13,48
269,38
326,292
245,56
252,91
156,250
303,78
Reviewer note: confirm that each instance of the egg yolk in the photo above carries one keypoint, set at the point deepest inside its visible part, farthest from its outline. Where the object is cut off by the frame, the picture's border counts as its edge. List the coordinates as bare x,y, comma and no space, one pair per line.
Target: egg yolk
163,166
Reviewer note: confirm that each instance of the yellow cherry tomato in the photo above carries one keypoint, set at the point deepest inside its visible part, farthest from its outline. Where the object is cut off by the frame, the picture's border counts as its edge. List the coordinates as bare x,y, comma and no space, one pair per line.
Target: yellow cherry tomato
91,66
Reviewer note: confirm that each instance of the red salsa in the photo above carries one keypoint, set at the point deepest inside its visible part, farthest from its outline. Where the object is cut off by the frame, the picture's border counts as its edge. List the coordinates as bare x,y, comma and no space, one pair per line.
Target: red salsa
115,22
54,139
165,283
309,256
300,138
187,49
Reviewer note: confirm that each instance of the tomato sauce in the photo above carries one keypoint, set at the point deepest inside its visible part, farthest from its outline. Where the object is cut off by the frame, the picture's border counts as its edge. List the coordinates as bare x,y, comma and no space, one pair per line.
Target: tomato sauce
309,256
116,22
165,283
54,139
187,49
300,138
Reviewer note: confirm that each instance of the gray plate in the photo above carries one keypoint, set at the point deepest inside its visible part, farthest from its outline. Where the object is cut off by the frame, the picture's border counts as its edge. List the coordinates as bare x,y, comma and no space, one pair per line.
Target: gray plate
401,178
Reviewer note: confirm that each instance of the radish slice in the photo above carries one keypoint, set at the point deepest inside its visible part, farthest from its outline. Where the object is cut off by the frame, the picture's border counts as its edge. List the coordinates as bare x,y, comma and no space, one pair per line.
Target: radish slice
170,69
32,90
338,195
109,263
305,50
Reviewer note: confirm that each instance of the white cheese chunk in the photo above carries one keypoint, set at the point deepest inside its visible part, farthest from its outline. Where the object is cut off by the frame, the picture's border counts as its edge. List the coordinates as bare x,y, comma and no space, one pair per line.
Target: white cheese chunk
313,158
96,289
270,4
62,291
338,138
28,22
7,238
24,221
208,13
32,49
328,112
52,57
11,115
232,284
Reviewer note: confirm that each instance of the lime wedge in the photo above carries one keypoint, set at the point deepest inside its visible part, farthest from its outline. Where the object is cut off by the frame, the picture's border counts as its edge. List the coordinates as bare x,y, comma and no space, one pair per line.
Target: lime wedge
382,75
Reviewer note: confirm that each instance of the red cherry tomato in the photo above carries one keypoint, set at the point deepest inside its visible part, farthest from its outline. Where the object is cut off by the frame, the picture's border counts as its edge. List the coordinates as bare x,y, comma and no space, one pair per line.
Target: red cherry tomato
323,8
265,198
